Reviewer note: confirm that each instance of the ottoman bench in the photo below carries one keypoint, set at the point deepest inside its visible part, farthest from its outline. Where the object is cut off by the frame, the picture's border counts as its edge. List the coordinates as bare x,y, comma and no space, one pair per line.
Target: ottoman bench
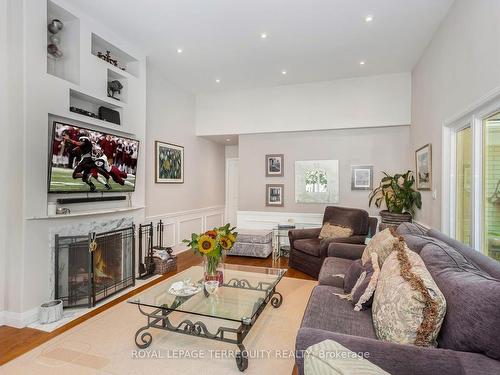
253,243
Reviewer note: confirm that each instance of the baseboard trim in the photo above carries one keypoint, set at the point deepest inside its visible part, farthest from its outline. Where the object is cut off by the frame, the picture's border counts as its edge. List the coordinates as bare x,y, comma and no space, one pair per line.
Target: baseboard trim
18,320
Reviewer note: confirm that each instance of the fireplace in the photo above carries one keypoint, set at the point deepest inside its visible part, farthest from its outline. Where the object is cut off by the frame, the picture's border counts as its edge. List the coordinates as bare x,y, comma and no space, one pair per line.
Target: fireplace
89,268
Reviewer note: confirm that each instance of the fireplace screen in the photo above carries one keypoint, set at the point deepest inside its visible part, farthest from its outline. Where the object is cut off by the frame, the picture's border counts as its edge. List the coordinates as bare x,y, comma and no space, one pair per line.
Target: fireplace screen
93,267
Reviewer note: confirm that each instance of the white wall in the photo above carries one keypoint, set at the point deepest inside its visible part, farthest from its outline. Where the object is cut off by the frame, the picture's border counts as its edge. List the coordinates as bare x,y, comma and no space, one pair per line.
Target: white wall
346,103
385,148
170,118
460,66
3,144
232,151
32,95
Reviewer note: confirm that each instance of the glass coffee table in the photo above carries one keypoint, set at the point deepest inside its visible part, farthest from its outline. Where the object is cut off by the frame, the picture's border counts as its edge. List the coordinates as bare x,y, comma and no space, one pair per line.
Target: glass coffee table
245,293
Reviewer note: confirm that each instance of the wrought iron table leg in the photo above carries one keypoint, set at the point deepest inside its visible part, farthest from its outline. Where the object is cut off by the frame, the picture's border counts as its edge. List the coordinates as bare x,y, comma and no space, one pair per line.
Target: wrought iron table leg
145,338
242,358
277,299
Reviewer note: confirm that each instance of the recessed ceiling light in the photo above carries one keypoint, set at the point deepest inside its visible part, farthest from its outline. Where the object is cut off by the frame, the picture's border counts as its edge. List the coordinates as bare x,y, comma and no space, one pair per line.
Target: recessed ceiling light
217,80
179,50
369,18
263,35
228,139
283,72
362,63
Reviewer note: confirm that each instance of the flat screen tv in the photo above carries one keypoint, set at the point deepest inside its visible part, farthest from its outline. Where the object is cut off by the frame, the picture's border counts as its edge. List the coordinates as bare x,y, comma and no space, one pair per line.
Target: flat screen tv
84,160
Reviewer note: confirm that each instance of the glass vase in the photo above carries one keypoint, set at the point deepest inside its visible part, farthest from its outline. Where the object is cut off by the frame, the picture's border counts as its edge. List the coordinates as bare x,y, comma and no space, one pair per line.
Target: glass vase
214,269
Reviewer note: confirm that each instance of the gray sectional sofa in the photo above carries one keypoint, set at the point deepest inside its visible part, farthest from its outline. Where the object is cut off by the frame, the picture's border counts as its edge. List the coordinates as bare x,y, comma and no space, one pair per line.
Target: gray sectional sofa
469,340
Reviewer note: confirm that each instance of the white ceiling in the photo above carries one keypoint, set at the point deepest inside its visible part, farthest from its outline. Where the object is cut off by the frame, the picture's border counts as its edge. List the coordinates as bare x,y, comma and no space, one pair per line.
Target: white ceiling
313,40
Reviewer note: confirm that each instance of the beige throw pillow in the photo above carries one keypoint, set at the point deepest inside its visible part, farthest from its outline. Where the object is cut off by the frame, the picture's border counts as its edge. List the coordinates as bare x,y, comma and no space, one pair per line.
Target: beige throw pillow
408,307
382,244
334,231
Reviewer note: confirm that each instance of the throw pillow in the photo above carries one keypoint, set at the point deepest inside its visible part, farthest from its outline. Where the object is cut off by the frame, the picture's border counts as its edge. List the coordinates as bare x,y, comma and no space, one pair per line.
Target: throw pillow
472,321
408,307
362,297
382,244
352,275
334,231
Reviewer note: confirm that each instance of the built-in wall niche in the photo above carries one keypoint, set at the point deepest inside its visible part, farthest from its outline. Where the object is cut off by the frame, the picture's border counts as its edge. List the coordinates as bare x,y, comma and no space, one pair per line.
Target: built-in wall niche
63,43
88,106
117,86
110,54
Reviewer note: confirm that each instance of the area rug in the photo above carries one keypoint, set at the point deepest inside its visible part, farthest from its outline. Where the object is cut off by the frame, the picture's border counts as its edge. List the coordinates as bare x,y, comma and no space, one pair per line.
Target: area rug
105,344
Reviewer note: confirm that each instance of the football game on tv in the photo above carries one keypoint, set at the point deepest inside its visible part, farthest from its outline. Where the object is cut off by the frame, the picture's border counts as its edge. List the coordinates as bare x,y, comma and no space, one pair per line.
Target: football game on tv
84,160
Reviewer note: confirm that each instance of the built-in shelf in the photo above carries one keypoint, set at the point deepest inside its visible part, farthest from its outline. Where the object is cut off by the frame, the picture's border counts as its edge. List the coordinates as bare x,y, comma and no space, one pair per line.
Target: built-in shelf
67,40
96,123
87,213
92,104
124,60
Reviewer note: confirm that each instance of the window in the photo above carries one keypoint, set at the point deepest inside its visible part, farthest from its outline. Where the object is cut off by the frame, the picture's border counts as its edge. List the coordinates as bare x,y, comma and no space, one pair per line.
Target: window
491,185
463,195
471,186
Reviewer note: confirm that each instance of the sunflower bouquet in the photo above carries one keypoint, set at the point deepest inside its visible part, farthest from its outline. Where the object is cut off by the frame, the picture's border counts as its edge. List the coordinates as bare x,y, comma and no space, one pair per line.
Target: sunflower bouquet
212,244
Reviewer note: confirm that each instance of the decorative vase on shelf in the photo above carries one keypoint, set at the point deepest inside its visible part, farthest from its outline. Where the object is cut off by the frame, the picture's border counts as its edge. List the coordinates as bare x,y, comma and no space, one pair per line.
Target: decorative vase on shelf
213,245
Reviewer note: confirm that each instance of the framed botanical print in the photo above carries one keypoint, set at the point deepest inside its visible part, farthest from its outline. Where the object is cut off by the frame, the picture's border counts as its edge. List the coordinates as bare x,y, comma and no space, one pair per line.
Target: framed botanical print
169,163
274,165
275,195
423,161
361,177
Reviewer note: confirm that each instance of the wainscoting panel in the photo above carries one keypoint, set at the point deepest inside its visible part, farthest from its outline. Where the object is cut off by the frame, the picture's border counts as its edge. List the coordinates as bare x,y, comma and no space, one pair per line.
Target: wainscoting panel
269,220
180,225
215,220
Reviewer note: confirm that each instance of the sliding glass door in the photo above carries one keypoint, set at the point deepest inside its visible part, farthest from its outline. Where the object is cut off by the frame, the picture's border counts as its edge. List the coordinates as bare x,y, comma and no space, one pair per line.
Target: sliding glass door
473,165
463,196
491,185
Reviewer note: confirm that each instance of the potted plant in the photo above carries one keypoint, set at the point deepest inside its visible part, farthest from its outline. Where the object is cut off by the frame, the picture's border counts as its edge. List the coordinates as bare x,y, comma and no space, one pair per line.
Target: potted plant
212,245
399,196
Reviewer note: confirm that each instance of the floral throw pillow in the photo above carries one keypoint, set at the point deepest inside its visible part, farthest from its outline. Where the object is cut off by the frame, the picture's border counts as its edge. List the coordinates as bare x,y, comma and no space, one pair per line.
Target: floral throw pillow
382,244
408,307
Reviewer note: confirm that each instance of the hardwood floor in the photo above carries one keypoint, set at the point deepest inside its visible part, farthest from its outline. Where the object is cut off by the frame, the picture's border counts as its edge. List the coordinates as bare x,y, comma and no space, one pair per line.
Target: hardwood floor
15,342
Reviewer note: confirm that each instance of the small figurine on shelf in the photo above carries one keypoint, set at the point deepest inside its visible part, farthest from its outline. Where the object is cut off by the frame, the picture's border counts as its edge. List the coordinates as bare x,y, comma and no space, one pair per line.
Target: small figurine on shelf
114,87
107,57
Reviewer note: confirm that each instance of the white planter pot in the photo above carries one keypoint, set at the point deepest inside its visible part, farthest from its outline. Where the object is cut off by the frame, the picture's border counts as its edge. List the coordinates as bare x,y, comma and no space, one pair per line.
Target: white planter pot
51,311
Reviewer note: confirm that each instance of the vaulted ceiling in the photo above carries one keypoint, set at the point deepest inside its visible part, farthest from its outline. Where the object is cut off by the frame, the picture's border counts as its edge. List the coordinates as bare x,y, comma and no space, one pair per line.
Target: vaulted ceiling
205,45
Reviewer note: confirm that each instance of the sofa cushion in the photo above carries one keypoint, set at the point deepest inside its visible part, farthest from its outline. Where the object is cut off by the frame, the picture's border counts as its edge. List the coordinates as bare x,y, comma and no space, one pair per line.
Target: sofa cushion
472,321
411,228
352,275
333,271
362,297
310,246
481,261
382,244
408,307
327,311
334,231
417,242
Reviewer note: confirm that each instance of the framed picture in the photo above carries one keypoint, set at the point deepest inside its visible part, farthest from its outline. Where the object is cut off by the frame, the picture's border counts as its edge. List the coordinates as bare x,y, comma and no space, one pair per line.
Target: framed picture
274,165
361,177
275,195
423,161
317,181
169,163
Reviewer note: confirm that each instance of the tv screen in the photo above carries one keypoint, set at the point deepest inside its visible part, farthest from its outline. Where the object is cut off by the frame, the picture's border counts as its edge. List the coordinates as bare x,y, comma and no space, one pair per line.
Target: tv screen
84,160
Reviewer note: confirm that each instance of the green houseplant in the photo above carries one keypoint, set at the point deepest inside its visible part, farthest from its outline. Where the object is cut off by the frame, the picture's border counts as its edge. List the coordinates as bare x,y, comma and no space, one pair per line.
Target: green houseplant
399,196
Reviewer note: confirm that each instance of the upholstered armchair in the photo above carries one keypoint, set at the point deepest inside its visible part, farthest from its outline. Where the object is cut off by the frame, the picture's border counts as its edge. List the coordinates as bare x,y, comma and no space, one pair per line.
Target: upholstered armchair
308,251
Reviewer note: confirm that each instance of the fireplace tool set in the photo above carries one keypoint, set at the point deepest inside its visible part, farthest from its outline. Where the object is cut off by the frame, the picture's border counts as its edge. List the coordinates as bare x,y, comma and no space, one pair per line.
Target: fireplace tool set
150,260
